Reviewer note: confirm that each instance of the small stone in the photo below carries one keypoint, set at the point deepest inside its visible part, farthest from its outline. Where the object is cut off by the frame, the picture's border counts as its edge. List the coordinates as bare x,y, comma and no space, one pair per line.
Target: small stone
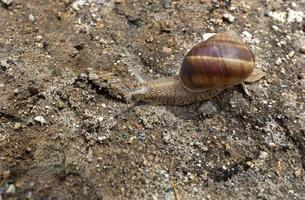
76,5
17,126
298,173
167,50
250,164
7,2
228,17
103,41
31,17
278,16
131,139
195,190
40,120
207,109
6,174
278,61
85,190
39,45
29,195
274,27
294,16
101,138
291,54
38,38
11,189
263,155
150,39
16,91
18,183
247,36
294,5
167,4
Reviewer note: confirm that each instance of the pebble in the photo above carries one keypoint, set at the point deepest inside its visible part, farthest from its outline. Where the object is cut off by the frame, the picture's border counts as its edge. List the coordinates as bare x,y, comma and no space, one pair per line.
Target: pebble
7,2
294,5
247,36
101,138
278,16
16,91
291,54
263,155
39,45
6,174
207,109
76,5
274,27
294,16
167,4
195,190
298,173
290,16
103,41
11,189
278,61
29,195
228,17
149,39
167,50
31,17
38,38
17,126
40,119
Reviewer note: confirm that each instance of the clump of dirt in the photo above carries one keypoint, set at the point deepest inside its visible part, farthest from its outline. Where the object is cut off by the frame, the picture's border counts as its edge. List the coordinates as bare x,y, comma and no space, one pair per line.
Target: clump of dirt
67,128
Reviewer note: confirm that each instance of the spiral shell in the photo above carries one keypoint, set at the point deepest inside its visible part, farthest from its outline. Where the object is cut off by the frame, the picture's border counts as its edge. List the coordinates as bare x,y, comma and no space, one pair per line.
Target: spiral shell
221,61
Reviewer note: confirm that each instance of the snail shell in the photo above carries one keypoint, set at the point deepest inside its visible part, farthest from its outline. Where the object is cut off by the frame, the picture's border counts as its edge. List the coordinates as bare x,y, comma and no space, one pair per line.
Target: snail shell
221,61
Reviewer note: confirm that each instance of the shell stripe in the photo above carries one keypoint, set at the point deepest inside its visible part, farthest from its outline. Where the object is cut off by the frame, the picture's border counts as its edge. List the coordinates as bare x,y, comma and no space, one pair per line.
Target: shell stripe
218,50
220,71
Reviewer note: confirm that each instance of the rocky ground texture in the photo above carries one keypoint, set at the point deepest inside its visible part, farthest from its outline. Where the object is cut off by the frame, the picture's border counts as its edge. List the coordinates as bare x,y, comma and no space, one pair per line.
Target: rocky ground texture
65,66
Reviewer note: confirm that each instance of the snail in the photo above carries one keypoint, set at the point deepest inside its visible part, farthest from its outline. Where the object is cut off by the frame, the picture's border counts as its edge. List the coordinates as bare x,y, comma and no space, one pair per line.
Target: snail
221,61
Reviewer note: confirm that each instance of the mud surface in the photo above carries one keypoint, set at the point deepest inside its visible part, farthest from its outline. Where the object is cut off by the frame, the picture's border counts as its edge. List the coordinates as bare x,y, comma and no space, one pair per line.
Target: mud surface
66,65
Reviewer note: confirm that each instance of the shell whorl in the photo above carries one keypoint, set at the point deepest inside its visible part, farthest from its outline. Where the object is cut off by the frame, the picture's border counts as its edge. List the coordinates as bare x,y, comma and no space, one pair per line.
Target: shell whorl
221,61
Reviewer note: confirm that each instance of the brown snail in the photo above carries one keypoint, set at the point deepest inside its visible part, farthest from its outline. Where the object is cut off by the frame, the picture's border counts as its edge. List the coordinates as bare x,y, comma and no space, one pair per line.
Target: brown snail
220,62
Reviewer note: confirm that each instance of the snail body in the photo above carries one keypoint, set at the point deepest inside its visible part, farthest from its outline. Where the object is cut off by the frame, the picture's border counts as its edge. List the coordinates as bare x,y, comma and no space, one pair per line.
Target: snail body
170,91
220,62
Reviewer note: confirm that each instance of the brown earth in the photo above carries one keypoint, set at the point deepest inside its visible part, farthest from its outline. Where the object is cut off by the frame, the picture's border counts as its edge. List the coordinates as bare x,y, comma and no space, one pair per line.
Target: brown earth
64,69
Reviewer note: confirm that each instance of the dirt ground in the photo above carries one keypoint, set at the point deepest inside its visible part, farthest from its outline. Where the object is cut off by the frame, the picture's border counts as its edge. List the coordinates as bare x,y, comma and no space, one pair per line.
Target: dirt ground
65,66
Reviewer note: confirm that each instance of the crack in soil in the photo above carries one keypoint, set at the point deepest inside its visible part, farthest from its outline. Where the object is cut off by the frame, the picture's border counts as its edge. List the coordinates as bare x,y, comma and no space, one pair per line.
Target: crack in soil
9,115
220,174
297,139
